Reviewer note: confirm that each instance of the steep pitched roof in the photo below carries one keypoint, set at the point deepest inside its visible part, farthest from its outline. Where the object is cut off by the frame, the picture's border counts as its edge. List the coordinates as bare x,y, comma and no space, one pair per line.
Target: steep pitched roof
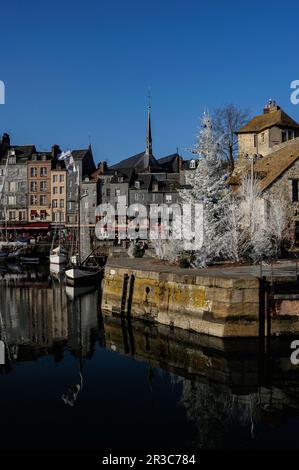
264,121
171,162
268,169
140,161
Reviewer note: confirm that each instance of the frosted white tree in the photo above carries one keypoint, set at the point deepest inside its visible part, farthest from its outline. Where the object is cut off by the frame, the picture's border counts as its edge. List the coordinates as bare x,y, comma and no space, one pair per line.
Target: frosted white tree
207,185
256,226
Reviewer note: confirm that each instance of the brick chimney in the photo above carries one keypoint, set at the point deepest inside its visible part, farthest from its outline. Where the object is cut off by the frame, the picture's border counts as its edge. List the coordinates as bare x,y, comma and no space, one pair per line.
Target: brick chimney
5,140
55,151
270,107
102,167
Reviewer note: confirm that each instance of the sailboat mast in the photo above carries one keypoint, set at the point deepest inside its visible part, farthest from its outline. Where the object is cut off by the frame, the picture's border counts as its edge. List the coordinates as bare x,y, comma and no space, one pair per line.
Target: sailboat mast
79,219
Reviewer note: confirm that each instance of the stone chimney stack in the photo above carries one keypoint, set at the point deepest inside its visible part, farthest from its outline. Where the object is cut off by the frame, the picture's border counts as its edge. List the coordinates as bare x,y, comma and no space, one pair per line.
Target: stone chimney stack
5,140
102,166
55,151
270,107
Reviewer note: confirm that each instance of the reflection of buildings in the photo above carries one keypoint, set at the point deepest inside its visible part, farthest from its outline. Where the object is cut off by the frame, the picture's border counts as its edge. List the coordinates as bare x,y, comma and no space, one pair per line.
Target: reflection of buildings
226,385
41,318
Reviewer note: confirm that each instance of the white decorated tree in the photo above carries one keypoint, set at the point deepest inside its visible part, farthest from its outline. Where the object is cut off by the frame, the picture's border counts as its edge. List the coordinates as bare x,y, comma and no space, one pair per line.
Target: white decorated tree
207,185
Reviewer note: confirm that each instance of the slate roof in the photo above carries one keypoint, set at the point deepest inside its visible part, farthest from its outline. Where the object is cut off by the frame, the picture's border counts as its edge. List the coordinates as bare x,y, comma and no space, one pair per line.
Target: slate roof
141,161
170,162
265,121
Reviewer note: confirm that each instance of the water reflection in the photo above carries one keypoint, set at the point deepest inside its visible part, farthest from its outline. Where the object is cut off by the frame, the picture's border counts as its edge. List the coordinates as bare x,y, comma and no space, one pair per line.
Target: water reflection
206,392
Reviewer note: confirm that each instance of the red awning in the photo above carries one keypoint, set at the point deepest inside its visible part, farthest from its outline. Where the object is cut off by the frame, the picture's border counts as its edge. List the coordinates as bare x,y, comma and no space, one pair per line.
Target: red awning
33,226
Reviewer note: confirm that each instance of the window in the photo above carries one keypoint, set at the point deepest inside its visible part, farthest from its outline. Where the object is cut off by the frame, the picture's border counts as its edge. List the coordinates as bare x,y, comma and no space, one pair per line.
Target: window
12,160
12,215
33,200
153,197
61,190
11,200
43,215
108,192
255,140
262,137
120,179
86,205
33,172
136,196
33,186
70,206
117,192
55,203
55,178
55,190
21,215
43,200
168,197
21,186
137,184
44,157
13,186
43,186
61,178
297,233
43,171
1,172
295,190
33,214
61,203
192,164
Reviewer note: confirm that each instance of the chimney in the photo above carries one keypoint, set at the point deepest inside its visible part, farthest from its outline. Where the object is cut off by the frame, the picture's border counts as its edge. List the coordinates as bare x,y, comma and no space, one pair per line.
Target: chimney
5,140
55,151
102,166
270,107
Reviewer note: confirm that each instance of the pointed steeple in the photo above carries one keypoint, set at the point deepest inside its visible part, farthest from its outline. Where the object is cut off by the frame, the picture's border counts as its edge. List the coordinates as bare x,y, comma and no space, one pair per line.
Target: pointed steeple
149,148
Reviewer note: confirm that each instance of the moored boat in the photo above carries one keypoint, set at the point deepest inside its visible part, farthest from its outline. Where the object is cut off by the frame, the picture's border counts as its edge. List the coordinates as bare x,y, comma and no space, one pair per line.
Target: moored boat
82,275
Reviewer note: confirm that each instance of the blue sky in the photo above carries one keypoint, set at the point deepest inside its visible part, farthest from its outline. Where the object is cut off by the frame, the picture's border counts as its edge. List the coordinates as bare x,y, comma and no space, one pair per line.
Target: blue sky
75,69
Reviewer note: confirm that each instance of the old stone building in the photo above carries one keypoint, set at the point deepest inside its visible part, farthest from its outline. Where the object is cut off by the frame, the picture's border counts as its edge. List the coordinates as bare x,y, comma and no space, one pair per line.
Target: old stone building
269,147
39,186
14,184
58,193
85,166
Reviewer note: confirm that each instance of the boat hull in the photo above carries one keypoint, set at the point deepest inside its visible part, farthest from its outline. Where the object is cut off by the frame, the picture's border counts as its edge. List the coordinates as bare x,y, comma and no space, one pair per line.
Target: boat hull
58,259
82,276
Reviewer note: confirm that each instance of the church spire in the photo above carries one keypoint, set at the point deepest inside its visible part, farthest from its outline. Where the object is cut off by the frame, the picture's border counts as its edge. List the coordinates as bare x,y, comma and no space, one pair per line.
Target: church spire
149,148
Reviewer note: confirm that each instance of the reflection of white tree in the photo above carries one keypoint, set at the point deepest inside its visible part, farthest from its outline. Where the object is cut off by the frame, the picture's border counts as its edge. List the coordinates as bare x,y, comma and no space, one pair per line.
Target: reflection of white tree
70,397
215,410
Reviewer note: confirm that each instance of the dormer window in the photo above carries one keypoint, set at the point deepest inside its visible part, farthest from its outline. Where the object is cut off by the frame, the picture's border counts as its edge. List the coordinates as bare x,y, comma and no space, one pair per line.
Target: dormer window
34,157
11,153
44,158
192,164
156,187
137,184
120,179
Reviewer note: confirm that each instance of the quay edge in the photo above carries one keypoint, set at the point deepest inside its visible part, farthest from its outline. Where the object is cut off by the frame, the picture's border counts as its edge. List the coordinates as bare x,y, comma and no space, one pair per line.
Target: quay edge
210,301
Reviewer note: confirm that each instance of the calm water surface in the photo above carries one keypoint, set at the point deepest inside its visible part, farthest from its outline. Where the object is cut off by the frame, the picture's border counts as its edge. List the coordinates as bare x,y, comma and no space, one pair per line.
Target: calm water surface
78,378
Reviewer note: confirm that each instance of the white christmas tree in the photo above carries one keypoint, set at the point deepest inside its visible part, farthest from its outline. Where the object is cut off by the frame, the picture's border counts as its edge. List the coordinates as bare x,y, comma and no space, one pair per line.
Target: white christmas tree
207,185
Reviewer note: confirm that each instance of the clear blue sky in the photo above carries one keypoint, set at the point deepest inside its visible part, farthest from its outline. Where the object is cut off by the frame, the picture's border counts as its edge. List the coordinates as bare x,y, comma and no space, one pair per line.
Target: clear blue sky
79,68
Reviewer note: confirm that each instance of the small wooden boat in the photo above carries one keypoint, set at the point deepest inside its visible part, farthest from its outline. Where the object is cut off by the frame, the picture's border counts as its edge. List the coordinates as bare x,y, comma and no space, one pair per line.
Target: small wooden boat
29,258
3,255
82,275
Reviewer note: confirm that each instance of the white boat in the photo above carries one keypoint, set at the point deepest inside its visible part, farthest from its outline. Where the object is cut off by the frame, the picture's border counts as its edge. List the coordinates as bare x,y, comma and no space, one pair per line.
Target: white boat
82,272
58,256
81,275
